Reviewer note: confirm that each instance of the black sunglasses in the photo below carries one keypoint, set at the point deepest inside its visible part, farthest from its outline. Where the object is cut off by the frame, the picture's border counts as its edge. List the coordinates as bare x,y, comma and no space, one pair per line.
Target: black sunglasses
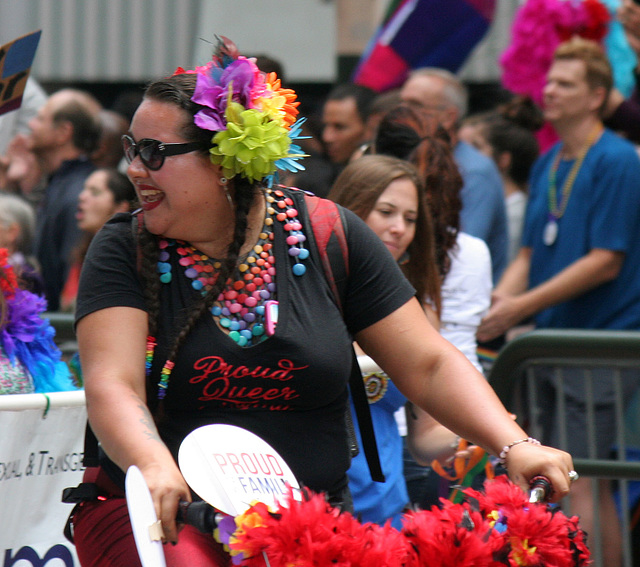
152,152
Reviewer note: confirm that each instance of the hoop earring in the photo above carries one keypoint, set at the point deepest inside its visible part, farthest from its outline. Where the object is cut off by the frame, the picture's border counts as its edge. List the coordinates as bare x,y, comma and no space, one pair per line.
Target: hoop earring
223,182
229,199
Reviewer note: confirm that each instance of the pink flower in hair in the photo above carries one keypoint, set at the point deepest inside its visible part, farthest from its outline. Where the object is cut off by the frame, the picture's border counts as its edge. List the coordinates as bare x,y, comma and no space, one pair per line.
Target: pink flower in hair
213,88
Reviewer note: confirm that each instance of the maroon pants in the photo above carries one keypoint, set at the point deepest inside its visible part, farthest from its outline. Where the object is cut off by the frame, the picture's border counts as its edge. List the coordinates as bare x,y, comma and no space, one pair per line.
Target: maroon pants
103,536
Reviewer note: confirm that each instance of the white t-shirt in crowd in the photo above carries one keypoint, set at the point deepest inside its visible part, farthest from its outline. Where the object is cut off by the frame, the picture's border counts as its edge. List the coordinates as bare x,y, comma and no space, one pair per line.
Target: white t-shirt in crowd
516,205
466,294
466,297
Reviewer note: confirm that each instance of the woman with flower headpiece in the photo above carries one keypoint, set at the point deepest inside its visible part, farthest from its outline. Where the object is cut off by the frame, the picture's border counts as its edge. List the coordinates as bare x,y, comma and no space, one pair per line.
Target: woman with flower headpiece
187,288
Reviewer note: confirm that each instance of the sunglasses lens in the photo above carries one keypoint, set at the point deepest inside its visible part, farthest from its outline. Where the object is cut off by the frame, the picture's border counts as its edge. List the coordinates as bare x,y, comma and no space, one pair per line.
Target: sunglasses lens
129,147
150,154
148,150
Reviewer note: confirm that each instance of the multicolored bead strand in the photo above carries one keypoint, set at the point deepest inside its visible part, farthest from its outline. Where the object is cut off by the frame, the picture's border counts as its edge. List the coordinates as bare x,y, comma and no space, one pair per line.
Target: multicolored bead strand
281,206
198,267
240,307
164,379
151,347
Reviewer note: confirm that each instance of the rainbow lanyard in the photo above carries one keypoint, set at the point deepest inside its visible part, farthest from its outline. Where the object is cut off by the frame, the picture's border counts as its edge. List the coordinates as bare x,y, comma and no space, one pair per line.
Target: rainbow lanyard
556,210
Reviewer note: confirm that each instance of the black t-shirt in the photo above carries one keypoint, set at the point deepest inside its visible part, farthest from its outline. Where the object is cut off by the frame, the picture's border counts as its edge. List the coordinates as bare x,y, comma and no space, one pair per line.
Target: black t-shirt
291,388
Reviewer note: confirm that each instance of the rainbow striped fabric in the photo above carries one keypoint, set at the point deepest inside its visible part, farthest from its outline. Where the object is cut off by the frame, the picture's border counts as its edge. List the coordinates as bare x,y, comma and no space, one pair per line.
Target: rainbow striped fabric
422,33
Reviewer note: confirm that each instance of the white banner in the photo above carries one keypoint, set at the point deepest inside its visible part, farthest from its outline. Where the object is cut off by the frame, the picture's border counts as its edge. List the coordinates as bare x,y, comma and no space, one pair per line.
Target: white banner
41,449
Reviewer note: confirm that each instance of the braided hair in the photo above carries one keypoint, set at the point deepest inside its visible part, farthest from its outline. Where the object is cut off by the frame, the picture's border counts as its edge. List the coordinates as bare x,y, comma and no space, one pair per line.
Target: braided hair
411,134
178,90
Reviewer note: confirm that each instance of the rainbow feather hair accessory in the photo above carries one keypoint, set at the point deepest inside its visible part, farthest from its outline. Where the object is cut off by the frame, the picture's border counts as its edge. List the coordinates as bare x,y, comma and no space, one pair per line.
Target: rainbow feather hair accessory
253,117
27,337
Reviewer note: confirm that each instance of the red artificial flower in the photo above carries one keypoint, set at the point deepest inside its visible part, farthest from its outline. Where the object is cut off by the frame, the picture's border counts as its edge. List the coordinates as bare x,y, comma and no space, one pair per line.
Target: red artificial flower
538,538
449,537
497,527
8,280
499,493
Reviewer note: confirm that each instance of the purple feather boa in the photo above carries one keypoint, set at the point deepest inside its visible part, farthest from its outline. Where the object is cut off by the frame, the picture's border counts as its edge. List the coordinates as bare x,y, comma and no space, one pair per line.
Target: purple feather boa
29,338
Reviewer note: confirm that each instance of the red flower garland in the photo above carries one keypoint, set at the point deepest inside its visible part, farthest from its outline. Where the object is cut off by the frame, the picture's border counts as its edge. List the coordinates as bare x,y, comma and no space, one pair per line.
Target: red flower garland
311,533
494,528
449,537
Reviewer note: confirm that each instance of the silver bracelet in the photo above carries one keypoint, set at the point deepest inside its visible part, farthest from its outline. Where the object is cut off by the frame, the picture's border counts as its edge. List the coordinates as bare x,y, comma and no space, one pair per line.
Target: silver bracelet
505,450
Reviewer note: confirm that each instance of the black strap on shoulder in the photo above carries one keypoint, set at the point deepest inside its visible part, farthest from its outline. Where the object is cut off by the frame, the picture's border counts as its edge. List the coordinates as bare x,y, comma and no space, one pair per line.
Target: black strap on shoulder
337,272
363,413
90,457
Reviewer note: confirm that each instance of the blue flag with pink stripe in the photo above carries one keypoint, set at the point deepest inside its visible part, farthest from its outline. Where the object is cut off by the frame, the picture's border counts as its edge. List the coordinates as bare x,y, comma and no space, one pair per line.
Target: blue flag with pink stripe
422,33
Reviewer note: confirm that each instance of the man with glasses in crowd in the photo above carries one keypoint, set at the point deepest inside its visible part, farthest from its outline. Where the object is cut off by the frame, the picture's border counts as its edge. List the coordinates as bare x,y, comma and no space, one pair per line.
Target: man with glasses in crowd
62,135
483,210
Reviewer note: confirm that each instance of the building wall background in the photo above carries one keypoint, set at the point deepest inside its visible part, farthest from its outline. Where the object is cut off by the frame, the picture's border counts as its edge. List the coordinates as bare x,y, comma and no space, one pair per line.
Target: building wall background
135,40
103,40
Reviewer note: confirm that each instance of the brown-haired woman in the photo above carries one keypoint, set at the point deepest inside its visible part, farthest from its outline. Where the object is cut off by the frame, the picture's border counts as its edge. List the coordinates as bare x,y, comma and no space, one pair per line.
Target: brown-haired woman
464,261
389,195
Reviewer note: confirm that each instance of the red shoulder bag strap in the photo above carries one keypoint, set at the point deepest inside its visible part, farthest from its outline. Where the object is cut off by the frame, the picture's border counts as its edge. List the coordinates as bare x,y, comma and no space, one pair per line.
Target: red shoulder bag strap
329,232
331,242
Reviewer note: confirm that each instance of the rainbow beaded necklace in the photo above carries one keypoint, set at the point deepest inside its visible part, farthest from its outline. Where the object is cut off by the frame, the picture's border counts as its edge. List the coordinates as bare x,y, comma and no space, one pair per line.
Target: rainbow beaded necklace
240,307
556,209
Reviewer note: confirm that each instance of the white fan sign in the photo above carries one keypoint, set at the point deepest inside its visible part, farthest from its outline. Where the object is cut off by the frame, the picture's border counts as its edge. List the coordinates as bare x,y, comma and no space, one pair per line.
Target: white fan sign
232,468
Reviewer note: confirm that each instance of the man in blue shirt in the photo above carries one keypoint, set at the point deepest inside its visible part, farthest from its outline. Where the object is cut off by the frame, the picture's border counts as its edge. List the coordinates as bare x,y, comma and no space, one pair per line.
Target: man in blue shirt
483,209
579,266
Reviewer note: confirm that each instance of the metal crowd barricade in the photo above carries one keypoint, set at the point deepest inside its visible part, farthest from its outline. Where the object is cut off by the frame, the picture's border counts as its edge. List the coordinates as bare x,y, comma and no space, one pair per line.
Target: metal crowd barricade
513,377
65,334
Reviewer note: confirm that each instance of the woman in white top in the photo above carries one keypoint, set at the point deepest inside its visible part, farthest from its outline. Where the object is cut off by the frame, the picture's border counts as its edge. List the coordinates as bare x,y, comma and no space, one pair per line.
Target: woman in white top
463,261
466,294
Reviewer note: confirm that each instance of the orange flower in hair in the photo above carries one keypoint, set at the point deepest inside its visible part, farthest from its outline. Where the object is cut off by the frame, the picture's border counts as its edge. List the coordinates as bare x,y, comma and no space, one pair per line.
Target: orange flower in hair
282,103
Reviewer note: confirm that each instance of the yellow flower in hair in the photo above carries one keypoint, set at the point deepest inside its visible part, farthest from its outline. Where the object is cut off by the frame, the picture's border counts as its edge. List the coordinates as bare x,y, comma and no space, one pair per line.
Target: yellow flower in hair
251,144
